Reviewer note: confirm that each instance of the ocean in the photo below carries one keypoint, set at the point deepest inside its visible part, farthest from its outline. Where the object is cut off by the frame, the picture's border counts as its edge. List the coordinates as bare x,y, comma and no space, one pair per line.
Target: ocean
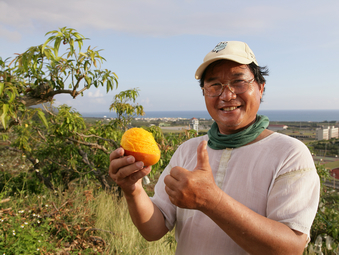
273,115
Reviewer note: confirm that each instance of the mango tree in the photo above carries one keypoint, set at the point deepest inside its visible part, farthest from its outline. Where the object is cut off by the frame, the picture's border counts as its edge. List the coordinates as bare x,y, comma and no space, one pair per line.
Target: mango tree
57,142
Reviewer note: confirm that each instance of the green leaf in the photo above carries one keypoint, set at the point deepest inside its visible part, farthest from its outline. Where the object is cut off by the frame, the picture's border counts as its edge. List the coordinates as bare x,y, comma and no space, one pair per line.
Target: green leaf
2,86
42,117
47,41
88,80
56,46
11,97
4,117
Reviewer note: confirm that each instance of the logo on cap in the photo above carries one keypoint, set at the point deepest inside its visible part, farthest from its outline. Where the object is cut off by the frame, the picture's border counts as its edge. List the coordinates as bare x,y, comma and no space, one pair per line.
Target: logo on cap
220,46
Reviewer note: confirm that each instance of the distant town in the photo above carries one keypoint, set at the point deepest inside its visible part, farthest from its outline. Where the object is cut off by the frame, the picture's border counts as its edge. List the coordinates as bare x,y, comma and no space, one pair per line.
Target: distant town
301,130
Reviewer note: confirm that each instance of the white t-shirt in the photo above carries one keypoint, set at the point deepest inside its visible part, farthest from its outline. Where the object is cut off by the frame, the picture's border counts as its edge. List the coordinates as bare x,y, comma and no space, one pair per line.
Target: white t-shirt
275,177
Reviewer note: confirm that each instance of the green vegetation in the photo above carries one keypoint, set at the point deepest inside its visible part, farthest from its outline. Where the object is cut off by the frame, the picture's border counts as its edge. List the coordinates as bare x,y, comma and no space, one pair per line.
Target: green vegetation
83,220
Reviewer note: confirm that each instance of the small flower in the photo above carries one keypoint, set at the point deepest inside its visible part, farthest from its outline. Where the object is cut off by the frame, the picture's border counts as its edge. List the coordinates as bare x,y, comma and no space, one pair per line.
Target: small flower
39,221
22,226
38,249
13,233
39,241
25,223
37,170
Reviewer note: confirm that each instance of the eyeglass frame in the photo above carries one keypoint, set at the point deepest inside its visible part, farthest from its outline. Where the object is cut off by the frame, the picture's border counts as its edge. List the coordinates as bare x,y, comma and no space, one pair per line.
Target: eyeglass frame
228,86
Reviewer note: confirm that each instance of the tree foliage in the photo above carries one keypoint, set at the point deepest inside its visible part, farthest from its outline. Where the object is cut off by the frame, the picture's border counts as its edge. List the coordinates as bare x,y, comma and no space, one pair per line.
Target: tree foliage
126,111
58,66
57,141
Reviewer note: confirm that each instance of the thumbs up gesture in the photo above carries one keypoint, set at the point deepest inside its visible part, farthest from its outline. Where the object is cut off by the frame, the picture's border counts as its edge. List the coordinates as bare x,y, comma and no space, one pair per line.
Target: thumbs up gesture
192,189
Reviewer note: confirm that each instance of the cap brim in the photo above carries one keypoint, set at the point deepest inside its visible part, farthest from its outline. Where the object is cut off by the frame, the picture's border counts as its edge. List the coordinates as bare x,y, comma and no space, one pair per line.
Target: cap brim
204,65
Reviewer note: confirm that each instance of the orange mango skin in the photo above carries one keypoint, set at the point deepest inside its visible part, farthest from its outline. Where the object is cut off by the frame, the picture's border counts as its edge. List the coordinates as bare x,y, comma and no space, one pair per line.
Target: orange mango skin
148,159
141,145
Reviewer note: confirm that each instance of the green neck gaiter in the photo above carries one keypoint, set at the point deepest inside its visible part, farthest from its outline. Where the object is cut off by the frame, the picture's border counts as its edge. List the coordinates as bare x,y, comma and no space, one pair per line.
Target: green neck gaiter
219,141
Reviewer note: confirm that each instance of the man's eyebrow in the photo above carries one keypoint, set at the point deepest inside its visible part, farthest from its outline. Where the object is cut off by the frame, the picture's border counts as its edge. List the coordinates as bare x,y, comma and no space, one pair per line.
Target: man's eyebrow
237,74
211,79
233,75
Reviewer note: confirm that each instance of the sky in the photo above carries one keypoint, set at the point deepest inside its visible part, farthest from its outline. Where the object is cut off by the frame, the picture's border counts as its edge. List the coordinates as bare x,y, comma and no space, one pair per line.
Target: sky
156,46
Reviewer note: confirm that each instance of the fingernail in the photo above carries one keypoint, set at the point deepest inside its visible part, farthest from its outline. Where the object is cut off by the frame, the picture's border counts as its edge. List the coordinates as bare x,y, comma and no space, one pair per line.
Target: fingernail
139,164
130,160
119,150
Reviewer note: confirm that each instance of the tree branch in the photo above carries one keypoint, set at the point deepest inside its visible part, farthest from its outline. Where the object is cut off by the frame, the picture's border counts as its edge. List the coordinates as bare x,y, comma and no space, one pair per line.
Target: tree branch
36,164
97,174
94,145
99,137
29,100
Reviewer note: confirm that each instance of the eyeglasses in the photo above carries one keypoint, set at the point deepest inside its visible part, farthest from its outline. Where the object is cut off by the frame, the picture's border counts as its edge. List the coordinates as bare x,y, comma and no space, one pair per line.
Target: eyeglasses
235,86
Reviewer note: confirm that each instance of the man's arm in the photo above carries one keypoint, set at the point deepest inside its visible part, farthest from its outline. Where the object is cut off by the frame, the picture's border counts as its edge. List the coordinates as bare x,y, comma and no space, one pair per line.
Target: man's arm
253,232
128,175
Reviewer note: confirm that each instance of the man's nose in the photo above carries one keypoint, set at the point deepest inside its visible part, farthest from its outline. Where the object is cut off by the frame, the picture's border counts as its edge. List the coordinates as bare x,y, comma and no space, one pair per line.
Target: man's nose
227,94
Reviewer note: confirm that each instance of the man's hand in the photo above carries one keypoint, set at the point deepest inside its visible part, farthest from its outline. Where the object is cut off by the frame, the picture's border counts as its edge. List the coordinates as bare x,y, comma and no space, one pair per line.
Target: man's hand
126,172
193,189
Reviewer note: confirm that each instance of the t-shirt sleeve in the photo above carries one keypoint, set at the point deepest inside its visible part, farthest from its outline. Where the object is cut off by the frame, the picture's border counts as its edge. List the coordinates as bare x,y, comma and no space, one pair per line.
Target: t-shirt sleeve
294,196
161,199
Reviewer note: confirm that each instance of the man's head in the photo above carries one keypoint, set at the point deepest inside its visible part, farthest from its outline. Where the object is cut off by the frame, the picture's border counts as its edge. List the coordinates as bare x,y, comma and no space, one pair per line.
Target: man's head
233,85
235,51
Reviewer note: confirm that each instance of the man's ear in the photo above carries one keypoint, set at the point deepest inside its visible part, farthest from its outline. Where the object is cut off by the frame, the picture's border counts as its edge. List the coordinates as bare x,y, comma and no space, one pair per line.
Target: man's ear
261,89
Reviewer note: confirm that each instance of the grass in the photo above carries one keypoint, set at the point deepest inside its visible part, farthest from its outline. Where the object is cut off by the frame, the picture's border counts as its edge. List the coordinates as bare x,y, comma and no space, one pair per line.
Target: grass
85,220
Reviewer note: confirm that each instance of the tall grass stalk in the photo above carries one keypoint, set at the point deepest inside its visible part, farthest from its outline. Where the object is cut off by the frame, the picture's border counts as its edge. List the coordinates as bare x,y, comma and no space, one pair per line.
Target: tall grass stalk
112,215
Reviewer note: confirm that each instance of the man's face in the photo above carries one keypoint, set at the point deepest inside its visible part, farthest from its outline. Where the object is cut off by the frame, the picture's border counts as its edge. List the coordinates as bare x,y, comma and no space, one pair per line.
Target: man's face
232,112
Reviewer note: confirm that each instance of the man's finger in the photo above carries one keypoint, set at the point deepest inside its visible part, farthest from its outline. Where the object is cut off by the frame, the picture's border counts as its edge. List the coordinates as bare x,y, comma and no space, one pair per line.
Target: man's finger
116,154
178,173
202,157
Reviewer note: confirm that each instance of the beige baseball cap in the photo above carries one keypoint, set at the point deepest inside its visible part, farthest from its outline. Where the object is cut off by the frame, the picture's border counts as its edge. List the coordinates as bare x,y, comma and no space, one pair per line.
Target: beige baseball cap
232,50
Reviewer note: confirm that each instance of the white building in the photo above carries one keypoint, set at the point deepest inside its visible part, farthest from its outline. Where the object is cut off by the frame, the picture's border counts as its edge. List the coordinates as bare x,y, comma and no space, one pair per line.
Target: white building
195,124
326,133
277,127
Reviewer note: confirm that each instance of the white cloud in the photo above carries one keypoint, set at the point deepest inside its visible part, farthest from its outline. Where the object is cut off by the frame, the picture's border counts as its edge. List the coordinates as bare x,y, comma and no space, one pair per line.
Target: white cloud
166,17
9,35
96,94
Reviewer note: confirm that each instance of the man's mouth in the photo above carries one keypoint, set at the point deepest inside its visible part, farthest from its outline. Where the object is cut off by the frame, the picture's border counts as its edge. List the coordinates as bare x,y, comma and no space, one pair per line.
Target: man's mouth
227,109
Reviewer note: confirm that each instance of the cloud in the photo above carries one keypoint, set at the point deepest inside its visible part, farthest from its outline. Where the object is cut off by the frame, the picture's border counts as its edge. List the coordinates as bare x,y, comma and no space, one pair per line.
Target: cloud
164,18
96,94
12,36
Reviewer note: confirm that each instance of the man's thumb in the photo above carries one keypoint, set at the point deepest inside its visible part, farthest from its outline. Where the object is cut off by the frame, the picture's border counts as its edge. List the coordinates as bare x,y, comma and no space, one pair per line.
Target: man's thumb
202,157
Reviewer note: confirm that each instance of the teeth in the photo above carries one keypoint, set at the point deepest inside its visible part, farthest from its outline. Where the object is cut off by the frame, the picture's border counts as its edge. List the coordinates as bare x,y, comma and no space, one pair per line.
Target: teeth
229,108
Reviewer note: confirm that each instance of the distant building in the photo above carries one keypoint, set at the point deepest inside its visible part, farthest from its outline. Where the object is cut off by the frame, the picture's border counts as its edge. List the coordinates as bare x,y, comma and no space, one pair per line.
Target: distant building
326,133
277,127
195,124
335,173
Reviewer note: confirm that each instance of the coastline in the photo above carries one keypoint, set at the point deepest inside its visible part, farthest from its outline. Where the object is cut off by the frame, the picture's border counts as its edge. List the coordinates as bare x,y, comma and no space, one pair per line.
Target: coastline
273,115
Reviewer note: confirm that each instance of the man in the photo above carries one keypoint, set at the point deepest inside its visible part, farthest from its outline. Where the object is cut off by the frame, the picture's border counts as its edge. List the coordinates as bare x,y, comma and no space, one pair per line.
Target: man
241,189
